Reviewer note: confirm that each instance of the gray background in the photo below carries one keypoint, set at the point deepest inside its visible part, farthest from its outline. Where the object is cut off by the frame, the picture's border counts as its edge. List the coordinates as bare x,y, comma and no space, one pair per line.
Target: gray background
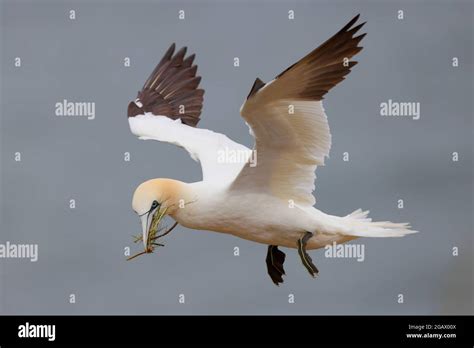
81,250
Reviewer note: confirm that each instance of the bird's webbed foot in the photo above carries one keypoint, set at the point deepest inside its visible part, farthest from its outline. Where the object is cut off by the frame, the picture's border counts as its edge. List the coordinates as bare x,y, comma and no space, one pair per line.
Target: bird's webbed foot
305,258
275,259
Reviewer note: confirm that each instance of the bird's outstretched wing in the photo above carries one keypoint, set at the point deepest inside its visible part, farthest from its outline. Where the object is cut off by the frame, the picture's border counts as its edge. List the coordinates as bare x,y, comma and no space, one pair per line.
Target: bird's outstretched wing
288,121
169,107
171,89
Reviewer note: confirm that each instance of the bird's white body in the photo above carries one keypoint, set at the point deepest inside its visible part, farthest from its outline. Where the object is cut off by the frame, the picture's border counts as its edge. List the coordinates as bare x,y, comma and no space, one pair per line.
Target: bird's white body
257,217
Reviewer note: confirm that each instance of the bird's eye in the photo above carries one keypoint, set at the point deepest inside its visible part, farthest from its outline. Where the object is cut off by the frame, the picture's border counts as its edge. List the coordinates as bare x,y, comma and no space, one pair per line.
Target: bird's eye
154,204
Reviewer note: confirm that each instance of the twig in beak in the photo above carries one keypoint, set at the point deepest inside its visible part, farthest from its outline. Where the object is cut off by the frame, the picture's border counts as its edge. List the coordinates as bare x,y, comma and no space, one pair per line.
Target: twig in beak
169,230
136,255
152,237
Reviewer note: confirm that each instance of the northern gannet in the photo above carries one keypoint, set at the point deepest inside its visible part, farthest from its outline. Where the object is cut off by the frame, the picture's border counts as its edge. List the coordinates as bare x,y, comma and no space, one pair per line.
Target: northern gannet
269,201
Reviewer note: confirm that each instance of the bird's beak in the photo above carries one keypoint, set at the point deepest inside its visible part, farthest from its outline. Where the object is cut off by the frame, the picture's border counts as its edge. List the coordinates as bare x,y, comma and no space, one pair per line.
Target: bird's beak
150,224
146,221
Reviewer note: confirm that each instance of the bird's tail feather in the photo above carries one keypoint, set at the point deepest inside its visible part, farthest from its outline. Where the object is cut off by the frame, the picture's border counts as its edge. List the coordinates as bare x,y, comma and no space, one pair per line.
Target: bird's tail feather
358,224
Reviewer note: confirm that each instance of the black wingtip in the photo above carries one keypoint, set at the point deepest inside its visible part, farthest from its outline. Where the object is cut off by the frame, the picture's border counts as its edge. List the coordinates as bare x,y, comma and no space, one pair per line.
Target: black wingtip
168,54
360,37
181,52
351,23
170,50
356,28
256,86
189,60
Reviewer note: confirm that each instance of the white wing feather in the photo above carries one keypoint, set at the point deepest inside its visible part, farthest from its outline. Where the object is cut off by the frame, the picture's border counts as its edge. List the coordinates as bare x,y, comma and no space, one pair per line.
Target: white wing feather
204,146
289,147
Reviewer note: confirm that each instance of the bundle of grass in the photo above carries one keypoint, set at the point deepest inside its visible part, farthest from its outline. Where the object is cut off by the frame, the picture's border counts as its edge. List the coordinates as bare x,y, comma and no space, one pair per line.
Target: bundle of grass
153,234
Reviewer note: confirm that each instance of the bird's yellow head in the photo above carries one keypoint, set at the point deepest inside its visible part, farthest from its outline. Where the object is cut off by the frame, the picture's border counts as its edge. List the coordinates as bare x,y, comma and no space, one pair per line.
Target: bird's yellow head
152,201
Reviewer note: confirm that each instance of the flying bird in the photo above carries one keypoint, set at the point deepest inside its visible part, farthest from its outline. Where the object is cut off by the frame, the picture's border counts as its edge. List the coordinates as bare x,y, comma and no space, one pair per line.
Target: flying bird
269,200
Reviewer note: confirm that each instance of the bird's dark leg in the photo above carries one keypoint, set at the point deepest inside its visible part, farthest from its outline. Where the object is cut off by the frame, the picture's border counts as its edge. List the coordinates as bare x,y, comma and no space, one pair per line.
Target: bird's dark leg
305,258
275,259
